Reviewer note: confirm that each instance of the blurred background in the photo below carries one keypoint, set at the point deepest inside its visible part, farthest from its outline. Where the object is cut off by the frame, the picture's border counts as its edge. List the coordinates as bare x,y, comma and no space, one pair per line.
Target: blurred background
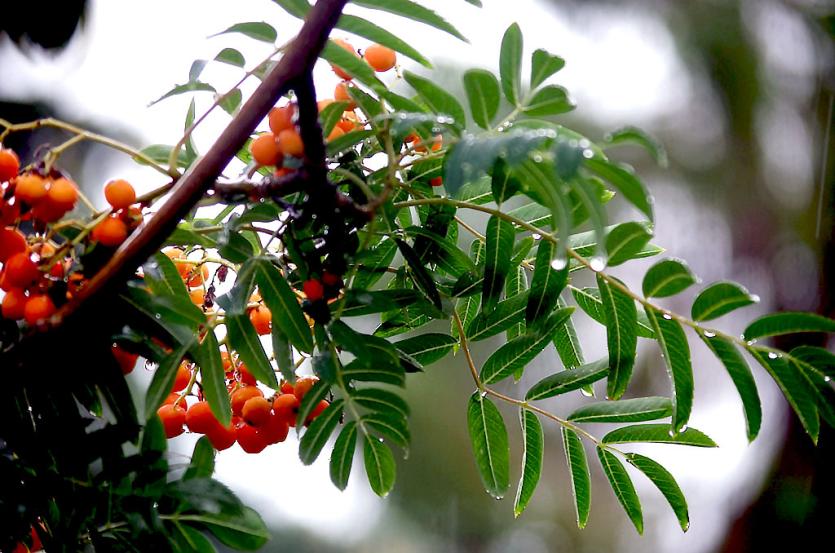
741,94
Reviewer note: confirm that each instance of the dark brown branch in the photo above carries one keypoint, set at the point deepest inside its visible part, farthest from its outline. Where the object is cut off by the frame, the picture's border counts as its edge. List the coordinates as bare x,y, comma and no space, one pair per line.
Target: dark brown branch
270,187
295,66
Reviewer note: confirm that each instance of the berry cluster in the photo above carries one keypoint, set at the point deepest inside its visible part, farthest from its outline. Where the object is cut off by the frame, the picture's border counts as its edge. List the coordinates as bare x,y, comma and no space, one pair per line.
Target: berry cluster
40,269
257,421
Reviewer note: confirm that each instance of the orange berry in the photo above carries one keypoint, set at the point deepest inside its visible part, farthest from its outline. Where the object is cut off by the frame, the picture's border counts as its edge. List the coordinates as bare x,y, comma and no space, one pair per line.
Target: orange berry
126,359
347,46
286,387
200,419
173,398
222,437
228,362
38,308
274,430
256,410
286,406
173,253
242,395
265,149
30,188
436,181
13,304
246,376
9,211
290,143
341,94
182,378
47,211
173,418
282,118
380,57
119,194
196,276
303,385
410,138
20,271
321,406
261,319
9,164
63,192
313,289
11,242
346,125
198,297
249,439
335,133
111,232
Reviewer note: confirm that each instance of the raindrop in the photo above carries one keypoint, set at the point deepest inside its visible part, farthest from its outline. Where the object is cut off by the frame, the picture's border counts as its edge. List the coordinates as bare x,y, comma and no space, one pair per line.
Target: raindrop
749,342
668,316
436,130
584,143
827,379
772,355
597,263
586,392
537,158
157,316
588,154
709,334
683,428
559,263
483,393
755,298
380,440
536,236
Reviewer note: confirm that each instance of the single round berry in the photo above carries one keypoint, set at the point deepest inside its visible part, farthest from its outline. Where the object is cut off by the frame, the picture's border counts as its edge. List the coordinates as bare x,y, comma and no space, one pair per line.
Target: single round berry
274,430
313,289
303,385
265,149
290,143
249,439
286,387
256,411
9,164
282,118
182,378
30,188
242,395
11,242
341,94
20,271
14,303
197,296
286,406
173,418
200,419
111,232
330,279
119,194
261,319
222,437
62,192
380,57
126,359
436,181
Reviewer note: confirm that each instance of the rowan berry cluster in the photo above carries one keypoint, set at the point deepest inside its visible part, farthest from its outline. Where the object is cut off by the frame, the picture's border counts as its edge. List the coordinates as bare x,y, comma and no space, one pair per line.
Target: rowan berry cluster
41,269
257,421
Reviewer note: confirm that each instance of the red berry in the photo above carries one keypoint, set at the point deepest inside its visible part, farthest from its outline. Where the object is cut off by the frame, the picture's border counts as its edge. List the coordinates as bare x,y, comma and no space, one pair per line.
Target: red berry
261,319
321,406
200,419
275,430
173,418
126,359
303,385
242,395
286,406
256,411
119,194
313,289
222,437
182,379
9,164
249,439
37,309
21,271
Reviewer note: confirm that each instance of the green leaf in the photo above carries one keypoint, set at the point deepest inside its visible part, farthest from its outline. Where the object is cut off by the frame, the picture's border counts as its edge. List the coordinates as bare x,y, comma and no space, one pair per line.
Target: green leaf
379,465
366,302
589,301
213,378
566,381
317,434
624,410
159,153
500,238
549,100
798,392
787,322
194,540
503,183
515,285
676,353
342,457
510,64
720,298
163,278
819,358
347,141
231,56
413,11
446,254
427,348
622,486
657,434
258,30
373,263
245,530
383,401
283,353
163,379
626,240
567,343
506,314
353,65
331,115
521,351
232,101
532,453
296,8
374,33
191,86
621,322
742,378
546,285
483,93
543,65
281,301
437,99
389,425
665,483
379,372
202,463
420,276
626,135
623,178
490,444
578,466
667,278
320,390
245,341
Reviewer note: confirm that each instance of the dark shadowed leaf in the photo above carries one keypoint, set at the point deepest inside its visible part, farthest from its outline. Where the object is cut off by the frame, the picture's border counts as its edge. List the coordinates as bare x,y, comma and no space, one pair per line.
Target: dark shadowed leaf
676,353
622,486
342,457
379,465
566,381
483,93
624,410
665,483
490,444
621,322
